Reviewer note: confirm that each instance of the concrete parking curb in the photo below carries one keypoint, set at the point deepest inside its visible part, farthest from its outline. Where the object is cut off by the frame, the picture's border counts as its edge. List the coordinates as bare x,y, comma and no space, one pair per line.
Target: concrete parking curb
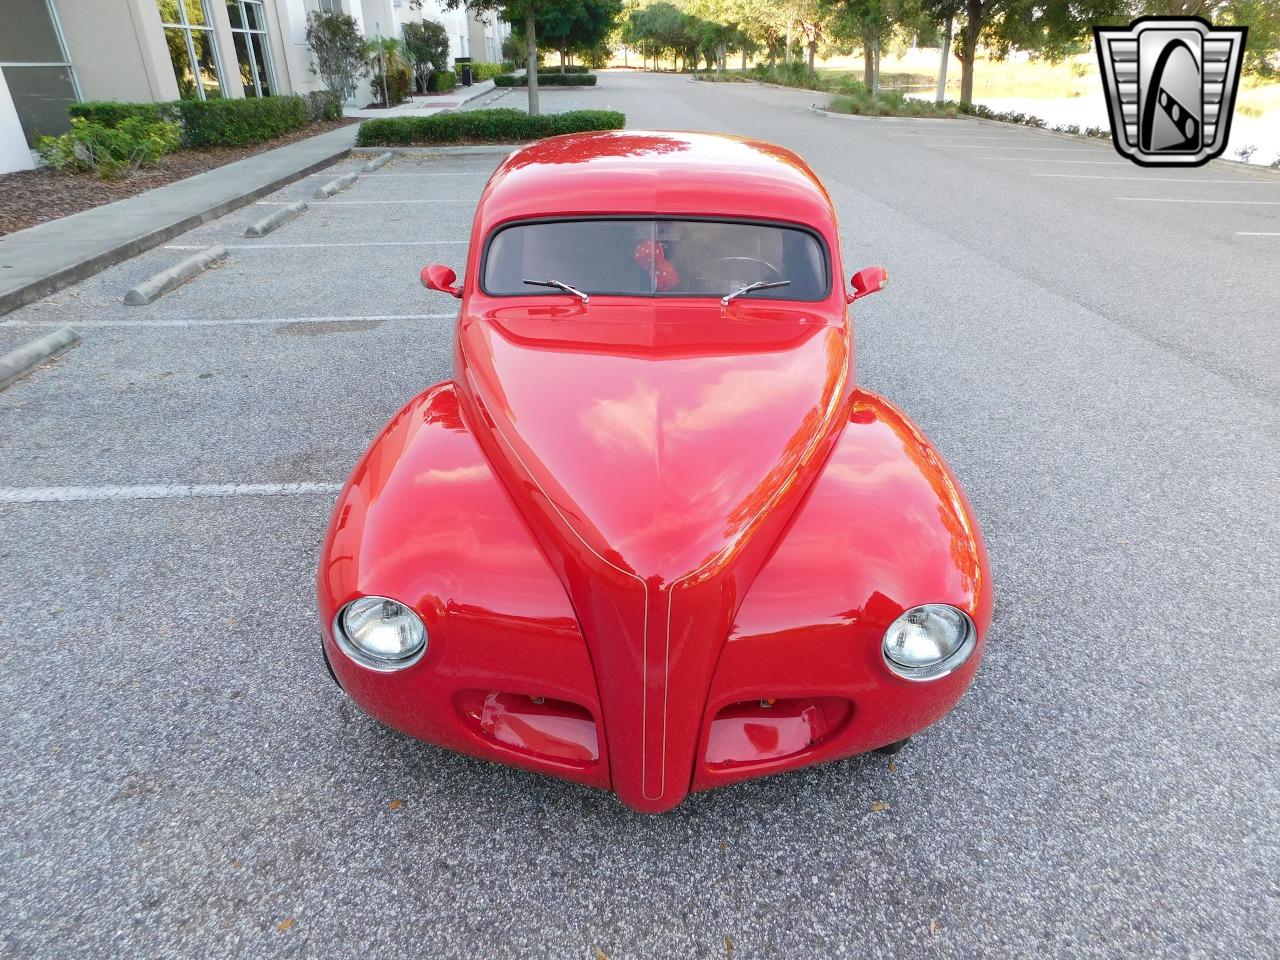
376,162
273,220
16,364
182,271
40,260
336,185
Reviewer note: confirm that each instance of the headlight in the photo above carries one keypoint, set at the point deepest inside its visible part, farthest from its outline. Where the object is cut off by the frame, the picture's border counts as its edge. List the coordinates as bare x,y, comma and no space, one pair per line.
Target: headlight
379,633
929,641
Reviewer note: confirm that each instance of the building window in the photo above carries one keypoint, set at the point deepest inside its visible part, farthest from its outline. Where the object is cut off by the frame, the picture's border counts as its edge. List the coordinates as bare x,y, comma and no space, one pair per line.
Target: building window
188,32
35,66
331,6
253,53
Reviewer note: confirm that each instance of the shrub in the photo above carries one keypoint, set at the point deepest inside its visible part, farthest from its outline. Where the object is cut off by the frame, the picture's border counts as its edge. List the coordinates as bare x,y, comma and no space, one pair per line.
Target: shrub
442,81
548,80
487,71
482,126
235,123
399,80
890,103
427,44
338,49
323,105
110,113
568,68
110,151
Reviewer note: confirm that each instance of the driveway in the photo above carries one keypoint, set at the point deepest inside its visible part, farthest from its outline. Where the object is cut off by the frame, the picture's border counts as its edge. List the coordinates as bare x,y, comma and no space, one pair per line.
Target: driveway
1093,347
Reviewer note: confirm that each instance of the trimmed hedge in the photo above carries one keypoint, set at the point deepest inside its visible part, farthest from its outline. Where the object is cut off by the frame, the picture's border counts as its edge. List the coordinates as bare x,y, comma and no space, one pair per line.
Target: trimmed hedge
568,68
217,122
442,81
482,126
110,113
236,123
548,80
487,71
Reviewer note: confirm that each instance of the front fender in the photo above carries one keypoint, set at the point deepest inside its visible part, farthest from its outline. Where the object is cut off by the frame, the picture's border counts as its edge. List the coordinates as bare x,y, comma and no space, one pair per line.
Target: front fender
423,520
885,528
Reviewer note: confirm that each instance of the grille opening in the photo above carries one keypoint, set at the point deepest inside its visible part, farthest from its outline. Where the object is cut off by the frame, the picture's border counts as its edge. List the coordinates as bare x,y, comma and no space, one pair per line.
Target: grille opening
537,726
757,731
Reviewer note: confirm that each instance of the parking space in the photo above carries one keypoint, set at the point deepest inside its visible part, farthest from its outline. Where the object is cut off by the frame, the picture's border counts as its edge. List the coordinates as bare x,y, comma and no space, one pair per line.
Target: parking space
182,779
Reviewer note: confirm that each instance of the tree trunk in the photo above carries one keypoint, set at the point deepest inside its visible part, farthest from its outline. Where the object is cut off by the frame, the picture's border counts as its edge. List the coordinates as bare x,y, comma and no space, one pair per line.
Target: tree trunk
942,64
531,62
813,50
744,58
867,63
786,57
973,26
562,59
875,70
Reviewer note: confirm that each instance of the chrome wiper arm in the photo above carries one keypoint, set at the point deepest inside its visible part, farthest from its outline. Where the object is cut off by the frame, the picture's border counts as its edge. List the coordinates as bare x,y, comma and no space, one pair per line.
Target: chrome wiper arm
560,285
758,285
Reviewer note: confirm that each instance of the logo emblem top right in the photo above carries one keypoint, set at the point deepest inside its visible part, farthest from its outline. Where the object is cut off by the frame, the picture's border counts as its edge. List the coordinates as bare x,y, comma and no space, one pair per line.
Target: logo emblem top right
1171,87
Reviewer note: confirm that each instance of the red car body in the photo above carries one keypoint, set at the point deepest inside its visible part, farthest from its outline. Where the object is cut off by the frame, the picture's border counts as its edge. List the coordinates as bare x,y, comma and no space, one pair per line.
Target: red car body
655,542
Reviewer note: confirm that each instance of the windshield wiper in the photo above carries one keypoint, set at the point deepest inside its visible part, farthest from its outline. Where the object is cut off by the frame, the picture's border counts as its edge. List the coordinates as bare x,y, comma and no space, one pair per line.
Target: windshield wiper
758,285
560,285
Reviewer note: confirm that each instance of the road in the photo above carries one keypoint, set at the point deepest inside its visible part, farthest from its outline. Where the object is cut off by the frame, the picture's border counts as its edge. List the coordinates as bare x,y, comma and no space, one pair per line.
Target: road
1091,345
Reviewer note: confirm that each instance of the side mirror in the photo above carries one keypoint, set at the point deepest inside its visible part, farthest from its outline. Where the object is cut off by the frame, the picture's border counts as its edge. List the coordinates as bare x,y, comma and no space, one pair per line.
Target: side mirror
867,280
436,276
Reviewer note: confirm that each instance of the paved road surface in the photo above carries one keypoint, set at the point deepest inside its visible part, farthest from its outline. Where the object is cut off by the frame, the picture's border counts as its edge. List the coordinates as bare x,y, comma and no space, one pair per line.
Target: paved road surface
1093,347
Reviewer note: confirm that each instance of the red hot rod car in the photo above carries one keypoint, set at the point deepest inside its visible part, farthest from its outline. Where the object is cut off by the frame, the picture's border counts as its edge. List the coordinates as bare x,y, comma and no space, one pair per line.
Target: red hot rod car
651,537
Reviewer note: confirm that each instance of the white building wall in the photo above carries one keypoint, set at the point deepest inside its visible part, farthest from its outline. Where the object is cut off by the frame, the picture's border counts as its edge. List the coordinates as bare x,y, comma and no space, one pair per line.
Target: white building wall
14,153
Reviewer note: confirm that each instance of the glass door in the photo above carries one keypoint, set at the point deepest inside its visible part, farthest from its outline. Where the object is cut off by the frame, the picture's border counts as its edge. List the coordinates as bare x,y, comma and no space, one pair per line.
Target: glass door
253,52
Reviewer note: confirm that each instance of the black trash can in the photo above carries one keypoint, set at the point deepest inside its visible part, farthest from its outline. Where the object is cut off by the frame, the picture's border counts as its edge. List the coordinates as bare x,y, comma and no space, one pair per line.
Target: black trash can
463,66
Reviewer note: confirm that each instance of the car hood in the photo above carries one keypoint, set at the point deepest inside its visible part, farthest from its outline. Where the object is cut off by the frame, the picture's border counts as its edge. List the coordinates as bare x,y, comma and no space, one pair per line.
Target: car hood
656,451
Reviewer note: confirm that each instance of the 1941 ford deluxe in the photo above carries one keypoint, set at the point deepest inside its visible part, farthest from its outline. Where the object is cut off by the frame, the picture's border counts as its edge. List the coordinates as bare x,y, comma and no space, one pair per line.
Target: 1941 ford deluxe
652,537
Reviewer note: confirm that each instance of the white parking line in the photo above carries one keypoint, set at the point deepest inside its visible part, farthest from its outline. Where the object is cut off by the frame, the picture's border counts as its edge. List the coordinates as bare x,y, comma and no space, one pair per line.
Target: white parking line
406,176
1247,233
1105,163
1256,203
1095,176
281,246
414,176
330,203
984,146
249,321
161,491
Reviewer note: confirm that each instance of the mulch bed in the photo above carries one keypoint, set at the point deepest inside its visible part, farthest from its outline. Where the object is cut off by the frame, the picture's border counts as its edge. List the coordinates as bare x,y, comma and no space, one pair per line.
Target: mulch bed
31,197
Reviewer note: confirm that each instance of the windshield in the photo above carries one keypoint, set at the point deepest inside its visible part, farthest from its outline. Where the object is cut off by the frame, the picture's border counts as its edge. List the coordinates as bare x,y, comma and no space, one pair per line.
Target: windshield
645,258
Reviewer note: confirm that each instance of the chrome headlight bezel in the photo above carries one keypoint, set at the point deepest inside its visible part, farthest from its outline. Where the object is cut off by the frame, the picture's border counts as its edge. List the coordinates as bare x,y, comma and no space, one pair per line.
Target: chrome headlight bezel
365,657
963,647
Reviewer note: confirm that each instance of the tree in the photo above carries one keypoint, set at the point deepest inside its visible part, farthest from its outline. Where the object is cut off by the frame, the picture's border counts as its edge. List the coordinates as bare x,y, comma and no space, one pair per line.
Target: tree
575,28
1262,17
942,13
517,12
338,50
427,46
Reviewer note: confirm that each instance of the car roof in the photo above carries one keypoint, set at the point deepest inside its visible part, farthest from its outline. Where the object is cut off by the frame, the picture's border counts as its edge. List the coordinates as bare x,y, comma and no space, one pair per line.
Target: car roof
649,172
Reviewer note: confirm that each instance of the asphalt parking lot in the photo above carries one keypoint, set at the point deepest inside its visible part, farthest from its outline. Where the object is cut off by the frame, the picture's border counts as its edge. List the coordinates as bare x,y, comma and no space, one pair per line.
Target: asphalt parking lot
1093,347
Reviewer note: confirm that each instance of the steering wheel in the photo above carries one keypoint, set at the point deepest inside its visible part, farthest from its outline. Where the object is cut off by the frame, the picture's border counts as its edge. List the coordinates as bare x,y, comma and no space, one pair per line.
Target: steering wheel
733,273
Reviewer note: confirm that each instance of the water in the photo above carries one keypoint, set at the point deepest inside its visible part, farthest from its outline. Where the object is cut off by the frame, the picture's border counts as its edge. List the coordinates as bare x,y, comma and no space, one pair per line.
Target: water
1091,111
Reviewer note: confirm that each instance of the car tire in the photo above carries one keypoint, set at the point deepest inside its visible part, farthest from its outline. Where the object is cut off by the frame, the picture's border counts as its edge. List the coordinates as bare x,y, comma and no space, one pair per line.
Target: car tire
889,749
329,666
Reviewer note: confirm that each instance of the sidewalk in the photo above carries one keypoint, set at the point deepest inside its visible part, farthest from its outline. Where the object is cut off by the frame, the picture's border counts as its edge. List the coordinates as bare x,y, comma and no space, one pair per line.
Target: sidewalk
40,260
426,106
